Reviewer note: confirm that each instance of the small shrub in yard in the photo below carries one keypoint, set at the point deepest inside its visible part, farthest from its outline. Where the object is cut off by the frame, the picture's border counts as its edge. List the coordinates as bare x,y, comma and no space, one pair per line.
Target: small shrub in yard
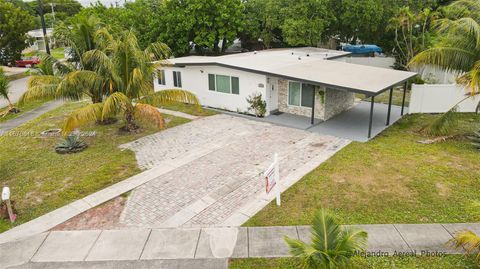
71,144
332,246
258,105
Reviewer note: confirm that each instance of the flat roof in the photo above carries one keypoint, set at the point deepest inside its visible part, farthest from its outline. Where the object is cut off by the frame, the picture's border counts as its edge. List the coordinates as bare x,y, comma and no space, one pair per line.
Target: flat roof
309,65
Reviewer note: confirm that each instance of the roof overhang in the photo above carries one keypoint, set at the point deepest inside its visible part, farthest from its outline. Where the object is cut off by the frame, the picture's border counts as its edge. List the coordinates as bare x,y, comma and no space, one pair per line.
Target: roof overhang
355,78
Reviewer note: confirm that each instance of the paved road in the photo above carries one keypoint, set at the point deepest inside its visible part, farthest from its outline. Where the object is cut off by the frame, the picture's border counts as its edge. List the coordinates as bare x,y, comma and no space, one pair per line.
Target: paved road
17,88
92,246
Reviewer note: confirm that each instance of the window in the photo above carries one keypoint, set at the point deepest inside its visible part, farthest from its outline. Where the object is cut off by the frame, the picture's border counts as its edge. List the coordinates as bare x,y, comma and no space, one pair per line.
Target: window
300,94
222,83
294,93
161,77
225,84
177,79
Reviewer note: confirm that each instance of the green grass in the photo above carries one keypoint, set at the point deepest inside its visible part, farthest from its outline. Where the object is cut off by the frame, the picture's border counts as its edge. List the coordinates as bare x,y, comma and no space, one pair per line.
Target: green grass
19,75
57,53
383,98
189,109
390,179
23,108
42,180
446,262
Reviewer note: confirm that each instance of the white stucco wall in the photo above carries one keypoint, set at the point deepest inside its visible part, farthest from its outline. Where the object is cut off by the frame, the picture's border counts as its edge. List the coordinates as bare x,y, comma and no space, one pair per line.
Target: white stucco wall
196,81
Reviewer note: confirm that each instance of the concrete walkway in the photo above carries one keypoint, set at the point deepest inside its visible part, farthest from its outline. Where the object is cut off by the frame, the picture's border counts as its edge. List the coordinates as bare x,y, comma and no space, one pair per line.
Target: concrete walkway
17,88
213,243
28,116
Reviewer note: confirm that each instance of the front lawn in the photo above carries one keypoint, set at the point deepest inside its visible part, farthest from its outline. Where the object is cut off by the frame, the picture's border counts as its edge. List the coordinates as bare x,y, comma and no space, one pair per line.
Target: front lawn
391,179
23,108
189,109
42,180
447,262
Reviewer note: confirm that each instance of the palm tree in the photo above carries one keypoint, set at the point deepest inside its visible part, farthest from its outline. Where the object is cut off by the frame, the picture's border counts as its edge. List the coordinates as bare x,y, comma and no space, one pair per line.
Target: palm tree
468,241
4,92
77,78
127,72
457,51
332,245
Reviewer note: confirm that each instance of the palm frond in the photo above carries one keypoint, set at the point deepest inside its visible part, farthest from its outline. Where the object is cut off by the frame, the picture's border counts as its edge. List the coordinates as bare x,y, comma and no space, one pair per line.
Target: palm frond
469,241
158,51
148,114
40,88
447,58
4,85
76,84
82,116
443,125
173,96
115,103
304,251
471,79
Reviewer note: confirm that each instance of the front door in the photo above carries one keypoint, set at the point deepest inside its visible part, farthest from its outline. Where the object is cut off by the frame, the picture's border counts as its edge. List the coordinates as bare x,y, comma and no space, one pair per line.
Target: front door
273,95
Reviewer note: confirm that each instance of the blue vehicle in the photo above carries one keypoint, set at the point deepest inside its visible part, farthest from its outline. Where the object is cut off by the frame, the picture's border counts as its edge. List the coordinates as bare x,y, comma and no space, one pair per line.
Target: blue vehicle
361,49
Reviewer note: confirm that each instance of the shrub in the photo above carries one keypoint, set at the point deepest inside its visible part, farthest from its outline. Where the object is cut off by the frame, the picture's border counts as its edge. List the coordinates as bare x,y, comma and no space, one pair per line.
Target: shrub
257,104
71,144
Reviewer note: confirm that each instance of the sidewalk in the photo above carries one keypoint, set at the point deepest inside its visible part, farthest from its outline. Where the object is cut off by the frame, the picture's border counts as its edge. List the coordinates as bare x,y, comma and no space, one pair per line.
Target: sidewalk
213,243
28,116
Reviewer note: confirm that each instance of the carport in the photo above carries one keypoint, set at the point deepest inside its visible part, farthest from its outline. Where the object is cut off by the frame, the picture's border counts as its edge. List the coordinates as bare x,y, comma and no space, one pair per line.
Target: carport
366,80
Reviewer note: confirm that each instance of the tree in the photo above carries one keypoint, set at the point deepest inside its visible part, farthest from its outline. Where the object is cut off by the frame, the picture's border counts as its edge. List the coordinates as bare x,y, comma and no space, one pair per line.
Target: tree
411,33
14,25
304,22
458,51
332,245
4,93
74,80
128,72
214,26
358,19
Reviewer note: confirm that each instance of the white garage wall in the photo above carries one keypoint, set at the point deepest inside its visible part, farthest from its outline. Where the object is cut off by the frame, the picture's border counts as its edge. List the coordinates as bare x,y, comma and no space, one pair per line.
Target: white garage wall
439,98
196,81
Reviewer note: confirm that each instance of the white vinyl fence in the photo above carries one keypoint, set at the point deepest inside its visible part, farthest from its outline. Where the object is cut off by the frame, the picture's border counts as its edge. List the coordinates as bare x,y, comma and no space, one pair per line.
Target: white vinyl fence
439,98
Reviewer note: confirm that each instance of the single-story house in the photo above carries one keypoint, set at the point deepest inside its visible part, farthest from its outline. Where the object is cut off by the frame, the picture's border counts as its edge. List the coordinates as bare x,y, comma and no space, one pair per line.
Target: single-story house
312,82
37,40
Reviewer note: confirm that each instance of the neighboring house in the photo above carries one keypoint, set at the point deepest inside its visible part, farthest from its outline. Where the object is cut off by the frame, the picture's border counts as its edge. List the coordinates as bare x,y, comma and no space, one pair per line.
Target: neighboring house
37,40
291,80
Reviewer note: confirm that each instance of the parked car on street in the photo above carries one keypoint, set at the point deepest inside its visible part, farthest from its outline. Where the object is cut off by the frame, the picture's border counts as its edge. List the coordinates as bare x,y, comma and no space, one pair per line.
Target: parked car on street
27,62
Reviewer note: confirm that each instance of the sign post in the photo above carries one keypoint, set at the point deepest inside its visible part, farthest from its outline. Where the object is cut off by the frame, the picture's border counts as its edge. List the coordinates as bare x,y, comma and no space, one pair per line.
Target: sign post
6,199
272,178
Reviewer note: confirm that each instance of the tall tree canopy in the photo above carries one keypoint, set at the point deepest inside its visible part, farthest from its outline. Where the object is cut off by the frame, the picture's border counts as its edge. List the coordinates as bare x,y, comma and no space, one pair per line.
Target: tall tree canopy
14,25
214,25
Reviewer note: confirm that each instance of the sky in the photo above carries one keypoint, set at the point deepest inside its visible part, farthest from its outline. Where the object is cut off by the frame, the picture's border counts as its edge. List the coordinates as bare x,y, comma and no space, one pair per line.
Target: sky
105,2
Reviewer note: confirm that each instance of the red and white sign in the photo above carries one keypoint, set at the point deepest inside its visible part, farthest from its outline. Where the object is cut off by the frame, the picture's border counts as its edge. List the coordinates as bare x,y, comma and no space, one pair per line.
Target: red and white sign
270,181
272,177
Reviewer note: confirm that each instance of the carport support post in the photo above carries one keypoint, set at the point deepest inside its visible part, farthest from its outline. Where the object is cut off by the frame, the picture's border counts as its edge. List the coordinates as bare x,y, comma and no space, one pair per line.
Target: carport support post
372,101
403,98
389,106
312,121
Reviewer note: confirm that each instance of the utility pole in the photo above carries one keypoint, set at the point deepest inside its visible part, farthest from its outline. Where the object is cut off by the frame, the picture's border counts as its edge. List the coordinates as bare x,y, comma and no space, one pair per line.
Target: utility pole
44,28
53,13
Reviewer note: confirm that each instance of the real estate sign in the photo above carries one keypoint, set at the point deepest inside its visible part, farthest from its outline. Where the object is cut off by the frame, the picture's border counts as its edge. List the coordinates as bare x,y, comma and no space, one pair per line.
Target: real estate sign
272,177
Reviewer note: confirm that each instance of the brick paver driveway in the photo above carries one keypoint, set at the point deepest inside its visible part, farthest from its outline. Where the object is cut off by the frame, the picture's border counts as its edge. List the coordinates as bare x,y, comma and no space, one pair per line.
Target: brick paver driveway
222,184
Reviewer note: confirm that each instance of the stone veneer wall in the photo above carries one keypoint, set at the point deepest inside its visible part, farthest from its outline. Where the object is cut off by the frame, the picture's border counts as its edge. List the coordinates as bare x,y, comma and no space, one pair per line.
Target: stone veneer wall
297,110
337,101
